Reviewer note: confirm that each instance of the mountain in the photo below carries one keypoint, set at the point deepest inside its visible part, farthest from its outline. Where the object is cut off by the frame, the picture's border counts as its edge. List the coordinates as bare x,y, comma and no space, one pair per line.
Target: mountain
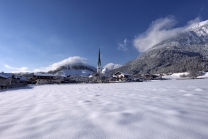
184,52
77,69
111,66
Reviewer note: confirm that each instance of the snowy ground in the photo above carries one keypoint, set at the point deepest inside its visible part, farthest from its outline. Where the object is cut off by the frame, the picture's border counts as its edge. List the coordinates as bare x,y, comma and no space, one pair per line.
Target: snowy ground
168,109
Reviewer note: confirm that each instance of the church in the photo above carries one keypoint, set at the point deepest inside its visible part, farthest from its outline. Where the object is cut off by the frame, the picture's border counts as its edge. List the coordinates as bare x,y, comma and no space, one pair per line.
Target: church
99,77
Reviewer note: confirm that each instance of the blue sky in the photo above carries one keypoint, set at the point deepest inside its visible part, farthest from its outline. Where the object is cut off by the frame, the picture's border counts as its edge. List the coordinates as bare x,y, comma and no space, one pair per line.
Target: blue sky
35,34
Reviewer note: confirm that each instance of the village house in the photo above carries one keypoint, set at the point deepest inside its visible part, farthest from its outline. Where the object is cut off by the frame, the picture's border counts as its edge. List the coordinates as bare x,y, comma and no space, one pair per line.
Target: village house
10,80
42,78
98,78
23,80
4,81
31,79
121,76
152,76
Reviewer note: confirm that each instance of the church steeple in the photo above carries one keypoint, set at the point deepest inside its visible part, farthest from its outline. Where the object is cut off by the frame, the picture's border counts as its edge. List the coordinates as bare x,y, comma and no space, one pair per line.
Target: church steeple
99,63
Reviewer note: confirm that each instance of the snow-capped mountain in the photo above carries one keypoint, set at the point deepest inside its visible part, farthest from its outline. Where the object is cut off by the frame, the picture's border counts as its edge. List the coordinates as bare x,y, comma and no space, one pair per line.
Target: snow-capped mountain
111,66
186,51
195,34
201,28
78,69
74,72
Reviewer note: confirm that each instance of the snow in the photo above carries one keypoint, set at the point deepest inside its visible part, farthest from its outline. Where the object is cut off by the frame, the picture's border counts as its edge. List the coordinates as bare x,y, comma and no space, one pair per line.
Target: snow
201,28
76,72
3,76
203,76
111,66
177,76
167,109
8,75
174,75
105,70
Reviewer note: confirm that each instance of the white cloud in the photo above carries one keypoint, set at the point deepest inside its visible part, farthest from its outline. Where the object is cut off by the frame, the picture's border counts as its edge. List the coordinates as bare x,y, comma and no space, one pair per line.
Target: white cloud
69,61
122,46
22,69
159,30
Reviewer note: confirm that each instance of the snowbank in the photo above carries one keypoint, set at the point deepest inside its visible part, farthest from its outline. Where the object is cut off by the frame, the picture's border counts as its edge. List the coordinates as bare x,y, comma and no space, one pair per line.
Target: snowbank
174,75
177,75
203,76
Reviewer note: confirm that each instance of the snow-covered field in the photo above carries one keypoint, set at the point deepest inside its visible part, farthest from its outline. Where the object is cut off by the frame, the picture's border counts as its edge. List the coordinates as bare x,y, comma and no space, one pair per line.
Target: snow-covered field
170,109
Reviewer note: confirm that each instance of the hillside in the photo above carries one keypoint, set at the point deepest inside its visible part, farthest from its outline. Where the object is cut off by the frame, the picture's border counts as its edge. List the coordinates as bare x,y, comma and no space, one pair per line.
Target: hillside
76,69
111,66
184,52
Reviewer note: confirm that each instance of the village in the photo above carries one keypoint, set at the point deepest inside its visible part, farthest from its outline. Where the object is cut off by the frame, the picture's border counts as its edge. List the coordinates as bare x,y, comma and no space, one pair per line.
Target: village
11,80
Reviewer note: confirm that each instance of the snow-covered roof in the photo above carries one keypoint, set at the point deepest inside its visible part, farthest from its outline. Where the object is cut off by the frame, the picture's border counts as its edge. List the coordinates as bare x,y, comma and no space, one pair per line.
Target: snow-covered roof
23,78
44,74
7,75
123,73
3,76
90,76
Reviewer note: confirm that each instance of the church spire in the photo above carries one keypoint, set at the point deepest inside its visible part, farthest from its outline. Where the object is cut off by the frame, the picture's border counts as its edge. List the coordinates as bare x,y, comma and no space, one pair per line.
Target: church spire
99,63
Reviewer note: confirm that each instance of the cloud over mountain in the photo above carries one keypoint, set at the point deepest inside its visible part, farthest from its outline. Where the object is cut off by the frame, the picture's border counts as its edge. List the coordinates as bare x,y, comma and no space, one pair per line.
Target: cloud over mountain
69,61
160,30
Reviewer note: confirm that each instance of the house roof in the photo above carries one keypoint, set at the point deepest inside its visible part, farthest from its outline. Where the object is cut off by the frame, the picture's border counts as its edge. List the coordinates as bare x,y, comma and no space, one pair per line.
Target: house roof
23,78
7,75
122,73
3,76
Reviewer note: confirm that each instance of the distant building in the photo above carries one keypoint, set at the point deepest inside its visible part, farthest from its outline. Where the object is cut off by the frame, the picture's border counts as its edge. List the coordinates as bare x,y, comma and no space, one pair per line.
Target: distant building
120,76
11,80
4,81
41,78
100,76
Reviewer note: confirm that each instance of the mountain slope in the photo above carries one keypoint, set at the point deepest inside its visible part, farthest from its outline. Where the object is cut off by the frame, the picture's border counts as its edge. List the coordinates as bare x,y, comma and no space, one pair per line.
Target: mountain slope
186,51
111,66
77,69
